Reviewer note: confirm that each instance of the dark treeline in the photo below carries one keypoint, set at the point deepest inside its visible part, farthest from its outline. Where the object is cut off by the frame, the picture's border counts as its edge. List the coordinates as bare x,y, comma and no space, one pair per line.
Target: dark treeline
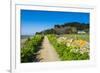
67,28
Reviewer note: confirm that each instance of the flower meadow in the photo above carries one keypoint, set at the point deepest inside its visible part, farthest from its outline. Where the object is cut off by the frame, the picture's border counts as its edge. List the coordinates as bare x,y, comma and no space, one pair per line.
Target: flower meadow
71,47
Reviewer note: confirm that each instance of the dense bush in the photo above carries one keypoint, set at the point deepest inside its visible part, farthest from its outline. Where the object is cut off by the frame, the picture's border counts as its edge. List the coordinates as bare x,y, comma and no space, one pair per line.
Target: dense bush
30,47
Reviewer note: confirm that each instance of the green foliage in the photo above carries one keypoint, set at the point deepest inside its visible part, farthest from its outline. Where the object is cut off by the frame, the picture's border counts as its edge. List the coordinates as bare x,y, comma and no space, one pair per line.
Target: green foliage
67,28
65,51
31,46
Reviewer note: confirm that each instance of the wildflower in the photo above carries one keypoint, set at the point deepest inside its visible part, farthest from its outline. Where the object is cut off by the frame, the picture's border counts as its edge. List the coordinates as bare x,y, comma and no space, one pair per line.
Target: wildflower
79,43
83,50
74,50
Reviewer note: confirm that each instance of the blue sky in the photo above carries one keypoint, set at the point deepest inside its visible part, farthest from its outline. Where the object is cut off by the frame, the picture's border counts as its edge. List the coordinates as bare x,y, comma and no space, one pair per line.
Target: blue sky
33,21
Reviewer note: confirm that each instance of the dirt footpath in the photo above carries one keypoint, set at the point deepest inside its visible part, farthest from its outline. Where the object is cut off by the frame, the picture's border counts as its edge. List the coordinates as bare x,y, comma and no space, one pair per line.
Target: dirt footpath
47,53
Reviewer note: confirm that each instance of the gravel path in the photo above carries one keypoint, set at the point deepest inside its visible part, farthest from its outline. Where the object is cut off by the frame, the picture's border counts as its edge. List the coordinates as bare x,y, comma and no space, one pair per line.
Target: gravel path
47,53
